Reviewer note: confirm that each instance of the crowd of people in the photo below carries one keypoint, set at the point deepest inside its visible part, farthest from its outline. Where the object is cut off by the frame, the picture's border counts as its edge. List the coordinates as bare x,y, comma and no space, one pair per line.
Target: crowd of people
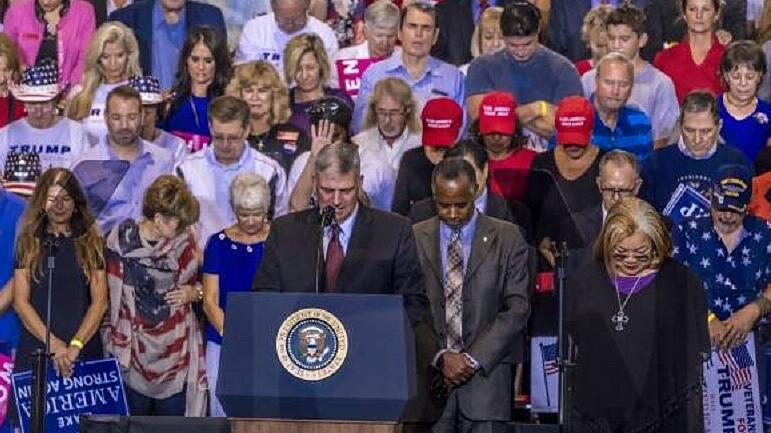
460,144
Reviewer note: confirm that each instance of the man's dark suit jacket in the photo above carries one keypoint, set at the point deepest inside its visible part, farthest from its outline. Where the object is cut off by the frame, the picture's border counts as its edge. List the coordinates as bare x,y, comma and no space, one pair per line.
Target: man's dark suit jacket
139,18
381,259
565,22
497,207
495,308
456,26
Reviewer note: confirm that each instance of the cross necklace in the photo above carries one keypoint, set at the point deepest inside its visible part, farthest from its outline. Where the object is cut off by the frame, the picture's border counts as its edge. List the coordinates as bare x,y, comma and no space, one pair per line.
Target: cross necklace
621,318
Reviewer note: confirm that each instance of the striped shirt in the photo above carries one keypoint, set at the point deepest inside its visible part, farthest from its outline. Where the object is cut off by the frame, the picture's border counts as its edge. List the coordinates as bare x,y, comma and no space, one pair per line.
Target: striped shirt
632,133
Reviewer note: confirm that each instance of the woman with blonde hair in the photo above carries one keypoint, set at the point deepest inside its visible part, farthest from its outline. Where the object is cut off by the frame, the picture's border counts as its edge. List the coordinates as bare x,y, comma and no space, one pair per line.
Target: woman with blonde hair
58,224
638,319
595,36
111,58
306,70
10,73
487,37
259,84
153,280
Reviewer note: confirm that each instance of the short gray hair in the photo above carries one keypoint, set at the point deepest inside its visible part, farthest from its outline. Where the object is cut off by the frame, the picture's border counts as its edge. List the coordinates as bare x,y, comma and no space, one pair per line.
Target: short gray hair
342,157
621,157
616,57
382,14
249,191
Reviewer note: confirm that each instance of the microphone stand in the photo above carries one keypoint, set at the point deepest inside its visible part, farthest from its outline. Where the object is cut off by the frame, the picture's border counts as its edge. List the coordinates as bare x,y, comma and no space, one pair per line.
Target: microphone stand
564,358
326,218
40,383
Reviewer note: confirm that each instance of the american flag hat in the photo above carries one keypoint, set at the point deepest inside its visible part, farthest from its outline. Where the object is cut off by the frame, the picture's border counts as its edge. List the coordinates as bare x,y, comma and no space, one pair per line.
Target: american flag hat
149,89
22,169
38,84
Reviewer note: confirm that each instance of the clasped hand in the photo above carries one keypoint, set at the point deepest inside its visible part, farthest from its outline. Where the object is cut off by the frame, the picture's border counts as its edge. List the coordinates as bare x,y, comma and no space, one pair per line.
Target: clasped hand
457,369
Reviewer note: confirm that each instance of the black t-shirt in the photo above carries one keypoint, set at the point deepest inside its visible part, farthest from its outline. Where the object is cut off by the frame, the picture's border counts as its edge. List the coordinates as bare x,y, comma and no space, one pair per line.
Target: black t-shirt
48,52
413,183
283,142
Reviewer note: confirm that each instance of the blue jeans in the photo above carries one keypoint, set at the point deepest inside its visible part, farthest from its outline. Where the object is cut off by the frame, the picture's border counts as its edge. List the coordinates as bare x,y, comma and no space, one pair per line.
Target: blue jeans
142,405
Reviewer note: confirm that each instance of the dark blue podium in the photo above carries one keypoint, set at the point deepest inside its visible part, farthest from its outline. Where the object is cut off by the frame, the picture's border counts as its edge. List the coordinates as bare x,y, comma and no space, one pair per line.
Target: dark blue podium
299,356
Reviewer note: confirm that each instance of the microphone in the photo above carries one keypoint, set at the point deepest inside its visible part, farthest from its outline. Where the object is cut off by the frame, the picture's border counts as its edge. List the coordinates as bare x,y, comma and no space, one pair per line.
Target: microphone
327,216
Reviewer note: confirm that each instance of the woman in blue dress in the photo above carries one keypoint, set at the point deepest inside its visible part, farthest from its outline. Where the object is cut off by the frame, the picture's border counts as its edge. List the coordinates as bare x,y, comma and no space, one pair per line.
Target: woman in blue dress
746,118
231,259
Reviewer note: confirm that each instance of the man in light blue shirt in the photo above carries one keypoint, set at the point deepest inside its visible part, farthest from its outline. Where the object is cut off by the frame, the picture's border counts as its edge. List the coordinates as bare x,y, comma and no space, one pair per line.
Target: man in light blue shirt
167,44
116,172
427,77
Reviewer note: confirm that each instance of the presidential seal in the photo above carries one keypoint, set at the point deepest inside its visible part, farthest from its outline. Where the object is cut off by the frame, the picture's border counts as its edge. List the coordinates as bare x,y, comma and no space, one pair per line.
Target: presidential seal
312,344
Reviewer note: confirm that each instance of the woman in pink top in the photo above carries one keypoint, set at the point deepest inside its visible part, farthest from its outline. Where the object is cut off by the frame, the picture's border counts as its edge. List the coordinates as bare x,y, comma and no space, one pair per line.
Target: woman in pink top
52,31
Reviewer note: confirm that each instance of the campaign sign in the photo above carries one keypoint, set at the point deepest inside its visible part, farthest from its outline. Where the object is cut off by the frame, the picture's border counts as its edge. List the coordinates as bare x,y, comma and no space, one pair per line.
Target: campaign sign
6,368
349,74
686,202
731,393
96,387
544,375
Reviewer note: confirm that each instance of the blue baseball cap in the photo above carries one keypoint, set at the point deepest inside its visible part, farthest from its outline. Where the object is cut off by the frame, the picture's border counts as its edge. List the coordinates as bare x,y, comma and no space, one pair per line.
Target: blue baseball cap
732,189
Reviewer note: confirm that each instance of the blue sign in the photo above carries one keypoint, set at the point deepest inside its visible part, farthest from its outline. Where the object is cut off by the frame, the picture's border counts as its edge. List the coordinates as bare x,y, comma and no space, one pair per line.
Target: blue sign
96,387
686,202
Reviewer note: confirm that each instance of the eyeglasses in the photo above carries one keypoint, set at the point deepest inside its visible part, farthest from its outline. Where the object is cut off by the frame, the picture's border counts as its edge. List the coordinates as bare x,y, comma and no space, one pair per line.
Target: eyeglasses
387,114
637,257
225,139
620,192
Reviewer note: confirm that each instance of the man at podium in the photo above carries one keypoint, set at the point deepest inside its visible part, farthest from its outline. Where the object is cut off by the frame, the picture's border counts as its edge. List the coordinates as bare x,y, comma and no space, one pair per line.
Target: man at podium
345,246
477,279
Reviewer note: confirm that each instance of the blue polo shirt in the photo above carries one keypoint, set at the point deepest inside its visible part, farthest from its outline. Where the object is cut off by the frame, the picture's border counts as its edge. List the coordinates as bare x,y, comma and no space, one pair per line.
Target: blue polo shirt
11,208
750,134
632,133
732,279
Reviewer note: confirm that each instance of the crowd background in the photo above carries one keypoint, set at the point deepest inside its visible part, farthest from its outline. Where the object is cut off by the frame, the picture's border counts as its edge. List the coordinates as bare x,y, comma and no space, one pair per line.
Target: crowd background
169,148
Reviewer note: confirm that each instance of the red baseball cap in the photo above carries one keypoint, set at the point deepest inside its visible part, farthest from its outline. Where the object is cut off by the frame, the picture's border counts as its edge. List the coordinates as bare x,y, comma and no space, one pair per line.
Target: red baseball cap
574,121
496,114
442,119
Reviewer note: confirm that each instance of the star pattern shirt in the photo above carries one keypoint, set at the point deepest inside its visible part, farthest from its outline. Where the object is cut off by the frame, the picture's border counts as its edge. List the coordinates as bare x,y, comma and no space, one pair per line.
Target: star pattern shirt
732,279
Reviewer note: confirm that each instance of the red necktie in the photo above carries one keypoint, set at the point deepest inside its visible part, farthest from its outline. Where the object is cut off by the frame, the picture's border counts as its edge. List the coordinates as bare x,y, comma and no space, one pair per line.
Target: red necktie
334,258
483,4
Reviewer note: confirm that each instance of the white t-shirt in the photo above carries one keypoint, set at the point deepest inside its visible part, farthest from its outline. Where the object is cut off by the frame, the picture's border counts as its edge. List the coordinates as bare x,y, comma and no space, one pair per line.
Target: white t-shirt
261,39
58,146
94,125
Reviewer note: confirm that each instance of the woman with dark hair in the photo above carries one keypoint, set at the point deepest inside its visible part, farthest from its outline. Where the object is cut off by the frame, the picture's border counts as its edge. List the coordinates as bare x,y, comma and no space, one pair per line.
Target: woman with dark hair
58,224
746,118
203,74
638,319
52,31
693,64
152,330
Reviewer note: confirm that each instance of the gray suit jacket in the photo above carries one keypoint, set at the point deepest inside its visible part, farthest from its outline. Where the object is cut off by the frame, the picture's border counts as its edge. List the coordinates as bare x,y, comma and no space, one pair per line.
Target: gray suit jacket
495,308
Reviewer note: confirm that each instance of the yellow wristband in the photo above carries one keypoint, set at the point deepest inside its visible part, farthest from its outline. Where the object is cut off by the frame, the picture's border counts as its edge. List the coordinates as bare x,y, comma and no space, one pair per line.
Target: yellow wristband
543,109
77,343
711,317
